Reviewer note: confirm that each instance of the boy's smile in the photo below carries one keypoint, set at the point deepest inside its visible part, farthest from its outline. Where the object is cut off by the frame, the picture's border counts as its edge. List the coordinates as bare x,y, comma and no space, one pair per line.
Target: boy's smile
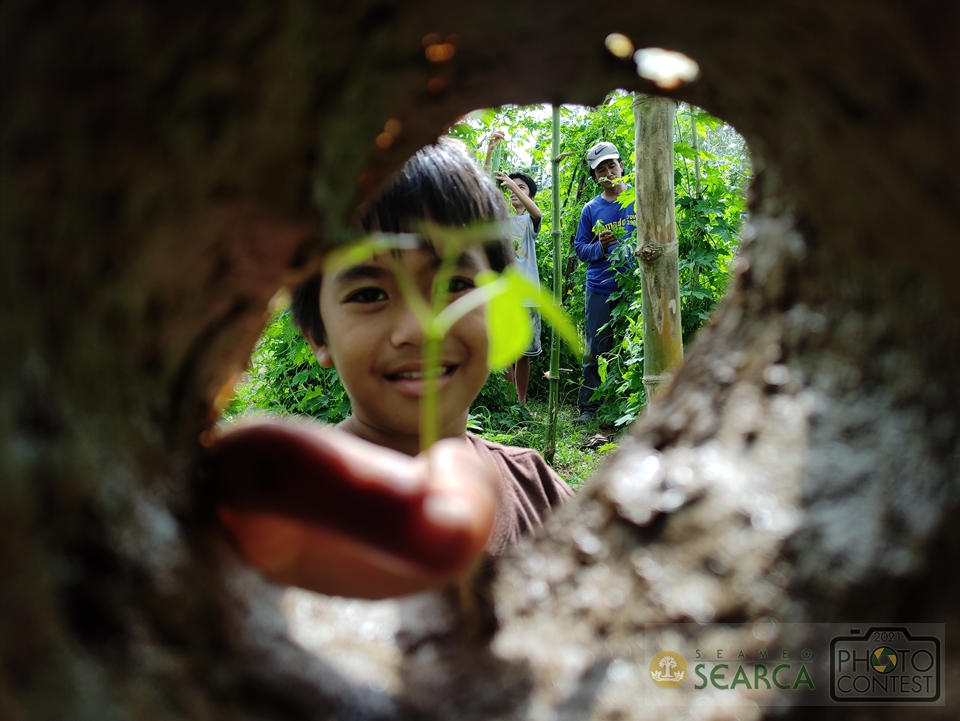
375,341
410,379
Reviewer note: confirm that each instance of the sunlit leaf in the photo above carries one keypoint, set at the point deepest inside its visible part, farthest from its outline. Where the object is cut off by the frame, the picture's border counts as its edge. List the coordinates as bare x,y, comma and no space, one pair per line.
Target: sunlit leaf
370,246
456,240
509,329
555,316
463,305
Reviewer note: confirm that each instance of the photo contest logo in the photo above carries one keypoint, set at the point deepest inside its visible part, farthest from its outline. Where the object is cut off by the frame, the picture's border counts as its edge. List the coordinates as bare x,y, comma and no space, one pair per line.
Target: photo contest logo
885,665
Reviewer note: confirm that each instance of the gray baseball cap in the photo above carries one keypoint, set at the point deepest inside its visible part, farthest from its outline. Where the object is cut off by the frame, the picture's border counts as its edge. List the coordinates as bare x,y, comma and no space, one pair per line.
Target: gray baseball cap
600,152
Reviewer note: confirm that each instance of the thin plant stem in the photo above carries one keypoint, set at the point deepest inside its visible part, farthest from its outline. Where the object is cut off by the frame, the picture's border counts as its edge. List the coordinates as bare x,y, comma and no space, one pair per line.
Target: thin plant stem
433,340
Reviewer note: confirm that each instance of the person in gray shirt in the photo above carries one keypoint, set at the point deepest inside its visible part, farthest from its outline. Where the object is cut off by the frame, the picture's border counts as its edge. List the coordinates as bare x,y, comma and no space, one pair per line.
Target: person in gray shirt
525,226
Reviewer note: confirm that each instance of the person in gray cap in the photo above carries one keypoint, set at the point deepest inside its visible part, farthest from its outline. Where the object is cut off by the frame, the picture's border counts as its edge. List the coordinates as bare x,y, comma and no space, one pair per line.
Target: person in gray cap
603,223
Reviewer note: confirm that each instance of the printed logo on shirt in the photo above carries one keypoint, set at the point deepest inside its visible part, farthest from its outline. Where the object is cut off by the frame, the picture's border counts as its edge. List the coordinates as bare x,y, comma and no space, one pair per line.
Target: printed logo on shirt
517,242
621,224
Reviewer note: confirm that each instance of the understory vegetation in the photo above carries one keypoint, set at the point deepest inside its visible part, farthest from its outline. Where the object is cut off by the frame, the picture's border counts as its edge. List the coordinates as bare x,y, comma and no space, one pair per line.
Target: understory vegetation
711,173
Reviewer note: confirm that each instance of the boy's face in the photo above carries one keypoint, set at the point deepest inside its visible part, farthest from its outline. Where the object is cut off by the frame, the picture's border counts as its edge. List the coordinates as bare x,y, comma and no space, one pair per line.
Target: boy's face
376,344
523,189
608,169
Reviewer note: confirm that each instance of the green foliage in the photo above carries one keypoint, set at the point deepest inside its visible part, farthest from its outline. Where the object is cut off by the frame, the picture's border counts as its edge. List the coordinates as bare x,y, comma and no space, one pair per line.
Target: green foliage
574,459
496,410
707,224
285,379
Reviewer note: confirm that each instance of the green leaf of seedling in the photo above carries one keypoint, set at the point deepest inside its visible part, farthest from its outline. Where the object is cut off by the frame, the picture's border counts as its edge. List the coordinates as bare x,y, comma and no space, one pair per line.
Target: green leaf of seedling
411,294
602,368
372,245
555,316
463,305
509,329
457,239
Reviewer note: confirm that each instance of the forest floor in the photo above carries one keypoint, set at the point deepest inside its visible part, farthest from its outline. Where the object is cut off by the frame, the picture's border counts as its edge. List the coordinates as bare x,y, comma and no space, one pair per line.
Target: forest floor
580,448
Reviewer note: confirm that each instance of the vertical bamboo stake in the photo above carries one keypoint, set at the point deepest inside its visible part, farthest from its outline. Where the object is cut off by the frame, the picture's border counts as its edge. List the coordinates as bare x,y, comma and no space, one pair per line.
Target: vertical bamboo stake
696,149
554,379
695,280
657,241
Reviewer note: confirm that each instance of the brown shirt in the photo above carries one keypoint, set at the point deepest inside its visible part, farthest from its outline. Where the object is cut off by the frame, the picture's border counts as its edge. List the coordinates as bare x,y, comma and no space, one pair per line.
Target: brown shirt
529,489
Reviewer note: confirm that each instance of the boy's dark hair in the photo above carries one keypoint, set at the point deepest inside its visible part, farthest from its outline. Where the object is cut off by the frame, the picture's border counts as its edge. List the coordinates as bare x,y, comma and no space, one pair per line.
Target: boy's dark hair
528,181
440,183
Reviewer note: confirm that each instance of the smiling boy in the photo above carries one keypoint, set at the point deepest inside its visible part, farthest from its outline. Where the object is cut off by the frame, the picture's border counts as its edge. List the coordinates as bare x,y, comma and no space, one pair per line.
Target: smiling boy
376,343
355,510
360,322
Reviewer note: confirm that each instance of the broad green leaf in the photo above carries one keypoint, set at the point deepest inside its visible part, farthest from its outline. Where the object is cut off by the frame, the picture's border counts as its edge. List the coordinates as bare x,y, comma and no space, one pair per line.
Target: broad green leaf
509,329
553,314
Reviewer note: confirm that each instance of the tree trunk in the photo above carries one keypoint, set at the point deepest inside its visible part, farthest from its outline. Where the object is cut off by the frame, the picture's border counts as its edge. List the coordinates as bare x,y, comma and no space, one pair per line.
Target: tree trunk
657,248
167,167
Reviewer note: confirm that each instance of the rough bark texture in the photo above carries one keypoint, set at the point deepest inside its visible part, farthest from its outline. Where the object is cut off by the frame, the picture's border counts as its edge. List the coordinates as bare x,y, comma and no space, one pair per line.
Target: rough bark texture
167,166
657,248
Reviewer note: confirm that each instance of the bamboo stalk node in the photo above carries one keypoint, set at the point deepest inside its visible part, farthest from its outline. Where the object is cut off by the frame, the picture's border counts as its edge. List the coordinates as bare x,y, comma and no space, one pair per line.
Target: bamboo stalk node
655,383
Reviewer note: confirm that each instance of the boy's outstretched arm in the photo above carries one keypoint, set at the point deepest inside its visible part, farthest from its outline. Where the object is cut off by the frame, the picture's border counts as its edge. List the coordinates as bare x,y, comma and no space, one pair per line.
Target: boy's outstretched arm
314,507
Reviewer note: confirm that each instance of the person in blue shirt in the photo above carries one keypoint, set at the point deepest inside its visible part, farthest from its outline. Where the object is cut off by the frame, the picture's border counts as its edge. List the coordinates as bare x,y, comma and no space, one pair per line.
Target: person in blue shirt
603,222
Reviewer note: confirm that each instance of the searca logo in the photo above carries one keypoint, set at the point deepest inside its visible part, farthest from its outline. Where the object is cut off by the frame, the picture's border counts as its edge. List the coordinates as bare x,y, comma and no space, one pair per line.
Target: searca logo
668,669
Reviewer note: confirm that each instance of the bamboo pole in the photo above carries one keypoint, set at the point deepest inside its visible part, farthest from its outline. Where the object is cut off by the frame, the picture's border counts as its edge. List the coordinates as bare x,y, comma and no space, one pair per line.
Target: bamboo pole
553,405
657,249
695,138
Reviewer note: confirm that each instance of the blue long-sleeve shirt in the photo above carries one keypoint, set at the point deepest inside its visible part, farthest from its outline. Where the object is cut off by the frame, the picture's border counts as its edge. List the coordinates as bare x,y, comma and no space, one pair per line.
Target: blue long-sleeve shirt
601,276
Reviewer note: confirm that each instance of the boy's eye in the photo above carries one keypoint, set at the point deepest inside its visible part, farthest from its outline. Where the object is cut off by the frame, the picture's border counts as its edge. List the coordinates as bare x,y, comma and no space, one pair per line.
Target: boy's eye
459,285
366,295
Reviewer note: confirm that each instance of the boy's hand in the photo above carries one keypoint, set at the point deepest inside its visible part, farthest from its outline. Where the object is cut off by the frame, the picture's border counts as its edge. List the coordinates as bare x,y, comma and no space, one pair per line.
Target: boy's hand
496,138
314,507
607,240
507,182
